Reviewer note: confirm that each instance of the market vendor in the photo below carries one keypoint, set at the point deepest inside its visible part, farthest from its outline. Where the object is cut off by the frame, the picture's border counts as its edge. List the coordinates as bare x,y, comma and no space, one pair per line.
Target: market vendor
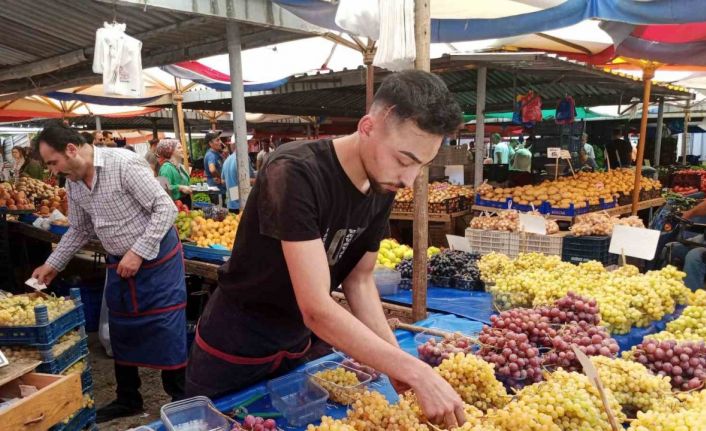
213,160
113,194
170,156
693,258
503,152
314,221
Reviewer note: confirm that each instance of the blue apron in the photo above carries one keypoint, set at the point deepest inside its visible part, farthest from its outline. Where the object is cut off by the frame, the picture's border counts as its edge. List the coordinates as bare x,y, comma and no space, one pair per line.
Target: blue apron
147,312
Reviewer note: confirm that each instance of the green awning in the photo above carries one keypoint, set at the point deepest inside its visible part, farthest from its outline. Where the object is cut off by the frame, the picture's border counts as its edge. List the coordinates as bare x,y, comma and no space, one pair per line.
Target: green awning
547,114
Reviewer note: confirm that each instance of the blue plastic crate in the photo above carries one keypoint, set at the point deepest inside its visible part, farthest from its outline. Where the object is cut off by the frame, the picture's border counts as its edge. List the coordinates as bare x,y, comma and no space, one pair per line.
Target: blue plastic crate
208,254
83,419
27,218
87,379
58,229
494,204
45,332
201,204
66,359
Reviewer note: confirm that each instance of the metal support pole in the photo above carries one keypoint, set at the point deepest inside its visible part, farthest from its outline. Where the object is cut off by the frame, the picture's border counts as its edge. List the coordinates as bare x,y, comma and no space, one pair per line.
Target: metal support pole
178,98
238,107
98,123
191,150
685,141
647,74
480,125
420,224
658,133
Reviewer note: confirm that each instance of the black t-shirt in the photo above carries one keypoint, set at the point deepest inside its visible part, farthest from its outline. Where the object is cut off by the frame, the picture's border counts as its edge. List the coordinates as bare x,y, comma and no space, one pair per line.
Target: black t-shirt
302,193
619,153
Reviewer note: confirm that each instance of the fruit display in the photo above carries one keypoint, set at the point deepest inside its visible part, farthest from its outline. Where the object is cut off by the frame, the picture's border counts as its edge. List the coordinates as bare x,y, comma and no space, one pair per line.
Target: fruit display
208,232
689,326
454,264
634,386
435,349
31,194
698,298
341,383
602,224
255,423
442,198
201,198
392,253
625,297
586,189
684,190
18,310
474,380
507,220
684,362
183,222
181,207
22,352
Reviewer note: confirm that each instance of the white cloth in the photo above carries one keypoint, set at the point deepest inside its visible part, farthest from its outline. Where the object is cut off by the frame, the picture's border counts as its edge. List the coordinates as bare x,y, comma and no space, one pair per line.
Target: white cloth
118,58
396,47
359,17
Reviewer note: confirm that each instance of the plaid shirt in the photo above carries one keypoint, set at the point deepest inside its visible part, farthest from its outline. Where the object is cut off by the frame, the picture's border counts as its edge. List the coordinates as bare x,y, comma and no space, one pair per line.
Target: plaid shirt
126,207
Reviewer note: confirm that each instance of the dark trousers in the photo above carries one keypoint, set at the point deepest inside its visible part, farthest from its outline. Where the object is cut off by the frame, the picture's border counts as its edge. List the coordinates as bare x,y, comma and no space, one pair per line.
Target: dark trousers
128,381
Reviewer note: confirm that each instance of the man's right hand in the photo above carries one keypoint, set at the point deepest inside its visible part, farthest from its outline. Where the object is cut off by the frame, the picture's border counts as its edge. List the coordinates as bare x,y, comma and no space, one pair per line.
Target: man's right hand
438,400
44,274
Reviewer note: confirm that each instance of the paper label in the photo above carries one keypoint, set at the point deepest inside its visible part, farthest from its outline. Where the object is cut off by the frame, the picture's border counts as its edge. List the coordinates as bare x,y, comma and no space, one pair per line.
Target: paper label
36,285
634,242
565,154
233,193
553,152
590,371
3,360
533,224
458,243
455,174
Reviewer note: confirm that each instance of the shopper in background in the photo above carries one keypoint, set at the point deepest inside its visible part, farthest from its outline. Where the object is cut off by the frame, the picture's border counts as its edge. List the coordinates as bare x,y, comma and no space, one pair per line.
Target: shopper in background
264,154
503,151
231,181
314,221
98,140
170,157
113,195
151,154
253,149
588,148
522,161
618,151
108,139
587,163
26,166
213,160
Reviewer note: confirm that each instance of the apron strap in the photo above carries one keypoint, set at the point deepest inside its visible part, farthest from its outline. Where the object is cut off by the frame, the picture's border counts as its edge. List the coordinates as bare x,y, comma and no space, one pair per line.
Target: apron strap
276,358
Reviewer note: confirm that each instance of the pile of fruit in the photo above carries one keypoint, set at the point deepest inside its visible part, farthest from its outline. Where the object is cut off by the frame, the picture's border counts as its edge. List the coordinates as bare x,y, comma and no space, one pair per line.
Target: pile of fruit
342,384
76,368
684,190
207,232
626,298
601,223
255,423
587,188
31,194
689,326
181,207
439,194
392,253
454,264
435,349
507,220
18,310
684,362
23,352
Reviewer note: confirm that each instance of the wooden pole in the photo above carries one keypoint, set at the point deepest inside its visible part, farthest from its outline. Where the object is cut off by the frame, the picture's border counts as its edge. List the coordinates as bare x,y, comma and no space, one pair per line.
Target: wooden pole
481,80
178,98
685,140
658,133
648,72
420,224
368,56
240,135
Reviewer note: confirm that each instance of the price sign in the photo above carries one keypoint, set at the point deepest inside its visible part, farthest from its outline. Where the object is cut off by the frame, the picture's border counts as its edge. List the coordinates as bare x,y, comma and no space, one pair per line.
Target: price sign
533,224
458,243
553,152
35,284
634,241
565,154
590,371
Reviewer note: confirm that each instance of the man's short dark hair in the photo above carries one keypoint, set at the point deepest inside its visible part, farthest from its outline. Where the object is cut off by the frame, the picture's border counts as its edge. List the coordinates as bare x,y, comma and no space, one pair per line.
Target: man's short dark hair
423,98
106,133
87,137
58,135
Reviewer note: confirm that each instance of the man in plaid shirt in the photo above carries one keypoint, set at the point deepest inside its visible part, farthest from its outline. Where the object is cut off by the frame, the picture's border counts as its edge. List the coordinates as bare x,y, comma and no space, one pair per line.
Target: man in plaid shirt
113,194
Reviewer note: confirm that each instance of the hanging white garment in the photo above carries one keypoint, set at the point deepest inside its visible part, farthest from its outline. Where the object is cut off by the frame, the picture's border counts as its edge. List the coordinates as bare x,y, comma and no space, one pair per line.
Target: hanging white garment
118,58
396,48
359,17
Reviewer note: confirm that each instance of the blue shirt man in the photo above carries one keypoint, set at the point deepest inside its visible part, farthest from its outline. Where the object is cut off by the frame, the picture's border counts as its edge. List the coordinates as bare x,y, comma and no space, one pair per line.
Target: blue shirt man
213,161
230,178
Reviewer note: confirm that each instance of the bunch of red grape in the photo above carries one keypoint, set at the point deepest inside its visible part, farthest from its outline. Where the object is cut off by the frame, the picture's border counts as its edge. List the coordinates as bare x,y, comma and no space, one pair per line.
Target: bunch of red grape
589,339
256,423
684,362
436,349
516,359
573,308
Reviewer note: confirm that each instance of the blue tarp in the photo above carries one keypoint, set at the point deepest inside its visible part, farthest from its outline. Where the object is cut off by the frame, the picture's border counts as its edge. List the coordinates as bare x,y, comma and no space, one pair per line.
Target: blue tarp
570,12
103,100
406,340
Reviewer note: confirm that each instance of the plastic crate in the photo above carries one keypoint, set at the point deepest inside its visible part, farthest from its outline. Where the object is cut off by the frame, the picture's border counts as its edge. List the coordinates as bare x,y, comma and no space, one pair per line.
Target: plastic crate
198,410
494,204
489,241
66,359
536,243
577,249
546,208
45,332
58,229
85,418
207,254
27,218
86,380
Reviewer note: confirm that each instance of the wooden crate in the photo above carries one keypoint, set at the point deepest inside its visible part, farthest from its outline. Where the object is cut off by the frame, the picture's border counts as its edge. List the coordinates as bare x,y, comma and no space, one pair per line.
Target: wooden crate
57,398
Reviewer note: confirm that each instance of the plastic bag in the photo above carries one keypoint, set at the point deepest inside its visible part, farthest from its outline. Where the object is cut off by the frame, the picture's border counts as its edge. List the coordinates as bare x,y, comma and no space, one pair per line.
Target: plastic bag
103,325
396,47
531,108
565,111
359,17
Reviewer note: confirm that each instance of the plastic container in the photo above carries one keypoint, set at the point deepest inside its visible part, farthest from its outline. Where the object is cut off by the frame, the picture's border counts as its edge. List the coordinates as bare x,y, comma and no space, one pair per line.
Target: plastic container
86,379
300,399
387,281
45,332
468,285
27,218
434,360
577,249
342,394
198,411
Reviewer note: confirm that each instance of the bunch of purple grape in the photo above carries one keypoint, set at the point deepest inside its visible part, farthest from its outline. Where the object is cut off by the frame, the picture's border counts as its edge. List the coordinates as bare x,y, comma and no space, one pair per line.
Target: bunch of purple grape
512,353
573,308
589,339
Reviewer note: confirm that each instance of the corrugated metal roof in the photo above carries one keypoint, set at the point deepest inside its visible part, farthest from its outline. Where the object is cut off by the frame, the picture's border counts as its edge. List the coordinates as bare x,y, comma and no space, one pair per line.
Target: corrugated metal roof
44,29
509,74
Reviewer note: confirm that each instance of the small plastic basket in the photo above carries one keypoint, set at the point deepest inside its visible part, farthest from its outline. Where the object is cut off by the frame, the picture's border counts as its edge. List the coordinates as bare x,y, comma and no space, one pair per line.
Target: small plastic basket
341,394
197,411
387,281
299,398
434,359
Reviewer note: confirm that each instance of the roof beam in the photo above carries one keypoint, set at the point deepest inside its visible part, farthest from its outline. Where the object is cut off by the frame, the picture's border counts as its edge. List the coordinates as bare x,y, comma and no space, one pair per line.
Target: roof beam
44,66
257,12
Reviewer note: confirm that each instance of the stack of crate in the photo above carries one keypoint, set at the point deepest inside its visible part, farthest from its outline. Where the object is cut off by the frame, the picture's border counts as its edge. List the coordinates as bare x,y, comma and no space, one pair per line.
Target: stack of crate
62,346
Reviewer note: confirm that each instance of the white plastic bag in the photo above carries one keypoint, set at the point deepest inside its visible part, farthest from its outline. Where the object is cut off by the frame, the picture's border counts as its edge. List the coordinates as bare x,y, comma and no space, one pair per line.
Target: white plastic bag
359,17
396,49
103,328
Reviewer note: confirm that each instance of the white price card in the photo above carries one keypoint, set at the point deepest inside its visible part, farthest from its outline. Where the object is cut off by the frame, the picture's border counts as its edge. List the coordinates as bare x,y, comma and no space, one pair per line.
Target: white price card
634,242
36,285
233,193
590,371
565,154
458,243
3,360
533,224
553,152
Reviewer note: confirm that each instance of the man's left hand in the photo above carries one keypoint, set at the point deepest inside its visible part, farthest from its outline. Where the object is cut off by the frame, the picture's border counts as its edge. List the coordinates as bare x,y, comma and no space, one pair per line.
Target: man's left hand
400,387
129,265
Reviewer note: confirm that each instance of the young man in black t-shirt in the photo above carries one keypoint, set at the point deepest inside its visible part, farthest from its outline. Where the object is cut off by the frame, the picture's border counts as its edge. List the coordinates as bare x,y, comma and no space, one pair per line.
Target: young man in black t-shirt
314,221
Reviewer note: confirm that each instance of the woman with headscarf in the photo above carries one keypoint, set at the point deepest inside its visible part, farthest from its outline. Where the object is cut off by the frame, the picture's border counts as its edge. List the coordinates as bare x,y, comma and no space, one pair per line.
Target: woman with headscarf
25,166
169,153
